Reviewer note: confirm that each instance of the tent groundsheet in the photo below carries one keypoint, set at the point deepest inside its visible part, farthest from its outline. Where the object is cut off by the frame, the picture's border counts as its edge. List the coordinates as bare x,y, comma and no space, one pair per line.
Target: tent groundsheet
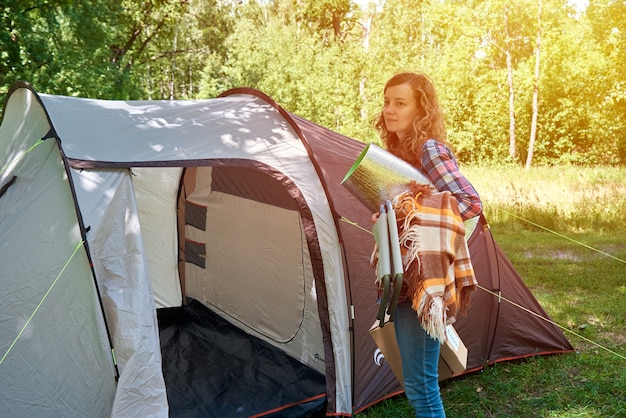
214,369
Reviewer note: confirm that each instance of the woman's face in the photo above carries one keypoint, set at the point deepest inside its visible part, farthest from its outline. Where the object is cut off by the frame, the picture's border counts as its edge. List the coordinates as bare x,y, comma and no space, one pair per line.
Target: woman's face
400,109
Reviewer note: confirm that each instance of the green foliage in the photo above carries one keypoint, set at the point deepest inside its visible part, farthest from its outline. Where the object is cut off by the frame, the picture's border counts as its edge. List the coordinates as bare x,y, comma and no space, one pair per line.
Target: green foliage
114,50
61,46
163,45
328,61
311,74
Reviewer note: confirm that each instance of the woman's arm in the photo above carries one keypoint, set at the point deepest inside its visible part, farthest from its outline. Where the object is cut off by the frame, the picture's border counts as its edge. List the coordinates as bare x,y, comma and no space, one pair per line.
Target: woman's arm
442,169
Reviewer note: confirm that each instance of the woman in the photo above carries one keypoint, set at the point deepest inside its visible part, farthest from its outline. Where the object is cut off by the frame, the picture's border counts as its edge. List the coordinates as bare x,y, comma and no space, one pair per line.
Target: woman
411,127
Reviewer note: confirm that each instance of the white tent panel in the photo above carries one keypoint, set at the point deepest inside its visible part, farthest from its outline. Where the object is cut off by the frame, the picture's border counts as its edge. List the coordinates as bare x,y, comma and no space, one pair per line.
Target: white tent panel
140,131
54,351
109,210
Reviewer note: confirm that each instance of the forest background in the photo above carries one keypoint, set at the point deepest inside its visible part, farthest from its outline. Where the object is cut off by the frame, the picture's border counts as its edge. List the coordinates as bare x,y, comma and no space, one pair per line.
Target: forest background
508,72
522,82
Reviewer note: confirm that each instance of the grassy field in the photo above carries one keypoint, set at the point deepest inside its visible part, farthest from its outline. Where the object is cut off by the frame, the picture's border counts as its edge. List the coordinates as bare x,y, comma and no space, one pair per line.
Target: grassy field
564,230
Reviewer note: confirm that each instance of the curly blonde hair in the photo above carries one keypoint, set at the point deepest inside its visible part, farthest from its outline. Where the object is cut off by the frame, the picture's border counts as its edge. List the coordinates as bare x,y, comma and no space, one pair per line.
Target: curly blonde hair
429,123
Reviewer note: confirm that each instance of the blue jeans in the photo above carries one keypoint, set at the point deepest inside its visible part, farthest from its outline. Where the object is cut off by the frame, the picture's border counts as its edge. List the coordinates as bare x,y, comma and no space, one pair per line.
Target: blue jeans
420,363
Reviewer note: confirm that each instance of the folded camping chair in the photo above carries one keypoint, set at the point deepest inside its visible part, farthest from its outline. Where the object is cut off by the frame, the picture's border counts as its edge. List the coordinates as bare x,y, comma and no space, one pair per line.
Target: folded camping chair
390,270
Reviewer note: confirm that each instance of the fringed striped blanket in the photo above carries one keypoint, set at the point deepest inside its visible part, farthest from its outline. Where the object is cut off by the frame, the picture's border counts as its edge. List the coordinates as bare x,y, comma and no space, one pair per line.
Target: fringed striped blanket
437,268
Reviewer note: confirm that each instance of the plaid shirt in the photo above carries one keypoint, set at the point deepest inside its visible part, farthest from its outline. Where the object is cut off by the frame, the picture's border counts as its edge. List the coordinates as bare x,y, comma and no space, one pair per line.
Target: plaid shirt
439,164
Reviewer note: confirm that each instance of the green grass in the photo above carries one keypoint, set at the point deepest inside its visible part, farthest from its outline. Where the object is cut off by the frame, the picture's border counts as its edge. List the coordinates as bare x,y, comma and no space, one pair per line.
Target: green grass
564,230
564,199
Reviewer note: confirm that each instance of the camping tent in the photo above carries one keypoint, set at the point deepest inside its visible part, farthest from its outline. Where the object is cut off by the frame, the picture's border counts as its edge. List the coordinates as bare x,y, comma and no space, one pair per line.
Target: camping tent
201,258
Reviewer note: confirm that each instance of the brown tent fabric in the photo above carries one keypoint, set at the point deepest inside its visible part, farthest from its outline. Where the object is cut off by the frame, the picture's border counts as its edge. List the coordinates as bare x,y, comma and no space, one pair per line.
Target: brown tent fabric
493,330
508,331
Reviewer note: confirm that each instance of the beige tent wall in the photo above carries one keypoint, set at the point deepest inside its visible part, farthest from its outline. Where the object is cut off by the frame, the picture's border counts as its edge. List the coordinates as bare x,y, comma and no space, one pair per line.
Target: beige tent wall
156,190
257,270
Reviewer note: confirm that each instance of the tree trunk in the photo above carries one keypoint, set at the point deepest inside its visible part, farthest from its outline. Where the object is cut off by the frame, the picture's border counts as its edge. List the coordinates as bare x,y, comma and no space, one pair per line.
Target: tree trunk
533,126
509,72
366,23
512,138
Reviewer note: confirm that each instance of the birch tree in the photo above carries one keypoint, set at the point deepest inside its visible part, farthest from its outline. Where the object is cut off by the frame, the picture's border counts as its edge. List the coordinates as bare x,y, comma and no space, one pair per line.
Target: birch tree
535,105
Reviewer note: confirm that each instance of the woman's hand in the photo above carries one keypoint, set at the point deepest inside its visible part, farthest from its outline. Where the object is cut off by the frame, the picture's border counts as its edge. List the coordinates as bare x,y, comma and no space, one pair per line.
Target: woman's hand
375,217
